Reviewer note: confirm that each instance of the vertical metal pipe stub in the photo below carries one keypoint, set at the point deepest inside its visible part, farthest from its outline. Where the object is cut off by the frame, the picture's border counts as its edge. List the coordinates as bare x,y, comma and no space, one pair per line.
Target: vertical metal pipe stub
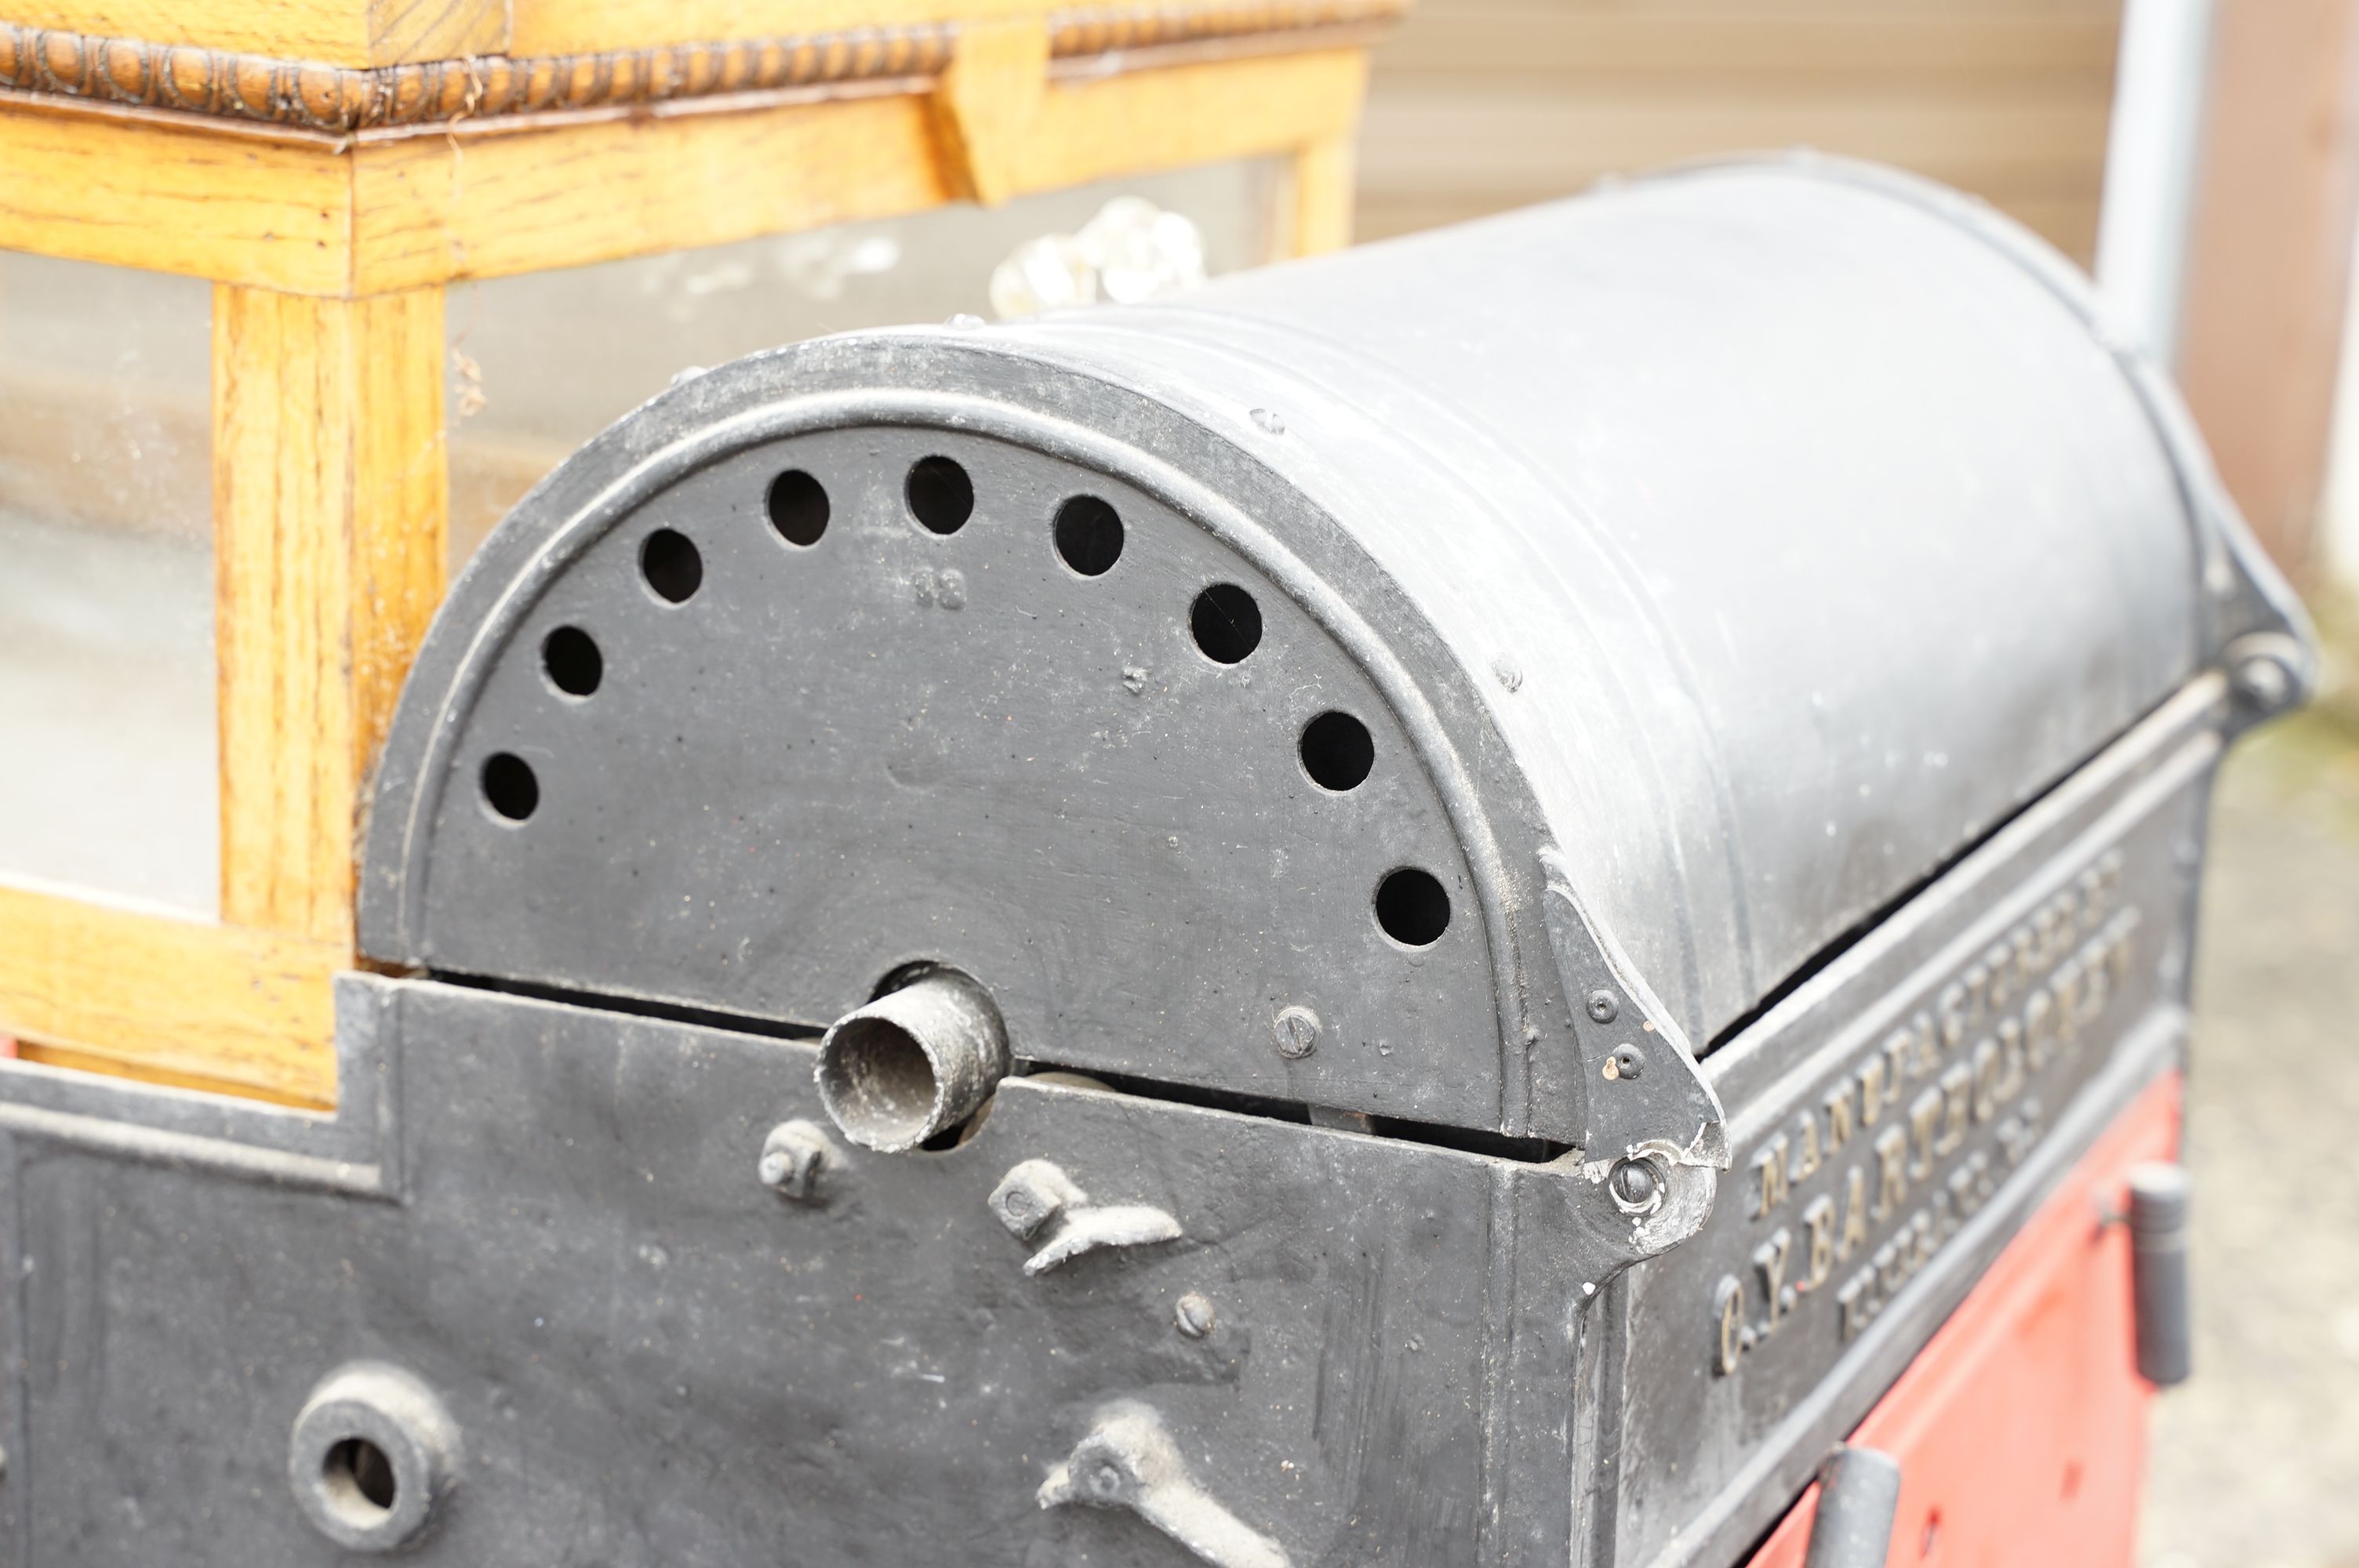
1859,1496
372,1454
2158,1291
913,1064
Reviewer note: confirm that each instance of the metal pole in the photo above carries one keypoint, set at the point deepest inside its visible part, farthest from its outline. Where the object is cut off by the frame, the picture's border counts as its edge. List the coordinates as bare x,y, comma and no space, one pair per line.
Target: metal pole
2152,159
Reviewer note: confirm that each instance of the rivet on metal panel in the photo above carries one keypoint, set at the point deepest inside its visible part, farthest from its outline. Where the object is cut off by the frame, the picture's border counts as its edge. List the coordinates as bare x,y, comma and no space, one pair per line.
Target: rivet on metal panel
793,1155
1296,1030
1194,1315
1603,1007
1628,1062
371,1453
1128,1461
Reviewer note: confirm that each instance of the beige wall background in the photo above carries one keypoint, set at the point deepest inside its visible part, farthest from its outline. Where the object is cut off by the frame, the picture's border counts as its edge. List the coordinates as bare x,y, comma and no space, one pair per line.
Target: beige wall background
1481,106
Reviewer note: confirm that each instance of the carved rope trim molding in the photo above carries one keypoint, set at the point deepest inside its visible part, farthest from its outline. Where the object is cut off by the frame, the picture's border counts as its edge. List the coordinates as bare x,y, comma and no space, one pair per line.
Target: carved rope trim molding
340,100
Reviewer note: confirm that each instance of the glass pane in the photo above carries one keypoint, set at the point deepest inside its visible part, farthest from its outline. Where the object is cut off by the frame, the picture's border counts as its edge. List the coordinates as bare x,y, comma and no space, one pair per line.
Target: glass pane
541,363
106,659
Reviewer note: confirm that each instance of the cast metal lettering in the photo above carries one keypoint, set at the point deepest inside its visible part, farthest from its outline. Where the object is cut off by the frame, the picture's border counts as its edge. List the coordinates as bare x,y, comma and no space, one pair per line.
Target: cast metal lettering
2025,1004
1770,1179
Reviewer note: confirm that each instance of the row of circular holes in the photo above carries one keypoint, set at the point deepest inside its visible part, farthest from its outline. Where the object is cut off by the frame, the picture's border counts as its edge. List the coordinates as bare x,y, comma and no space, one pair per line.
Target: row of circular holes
1336,750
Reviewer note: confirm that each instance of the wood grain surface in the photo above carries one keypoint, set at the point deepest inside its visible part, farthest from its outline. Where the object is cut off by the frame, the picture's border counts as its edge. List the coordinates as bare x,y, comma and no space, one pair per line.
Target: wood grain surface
306,93
335,32
174,200
93,985
330,507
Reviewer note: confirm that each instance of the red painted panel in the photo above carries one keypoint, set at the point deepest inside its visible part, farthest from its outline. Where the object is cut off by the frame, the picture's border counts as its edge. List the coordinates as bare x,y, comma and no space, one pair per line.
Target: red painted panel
2021,1428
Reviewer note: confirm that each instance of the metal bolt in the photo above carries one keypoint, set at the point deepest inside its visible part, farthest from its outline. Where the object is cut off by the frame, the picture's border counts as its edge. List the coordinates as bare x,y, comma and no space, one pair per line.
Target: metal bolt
1195,1315
1628,1062
2264,683
1603,1007
1031,1195
2266,669
1636,1185
792,1157
1296,1030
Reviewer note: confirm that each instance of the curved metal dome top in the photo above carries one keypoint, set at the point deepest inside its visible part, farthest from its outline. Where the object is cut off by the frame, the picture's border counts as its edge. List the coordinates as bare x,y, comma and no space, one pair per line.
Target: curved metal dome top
1695,567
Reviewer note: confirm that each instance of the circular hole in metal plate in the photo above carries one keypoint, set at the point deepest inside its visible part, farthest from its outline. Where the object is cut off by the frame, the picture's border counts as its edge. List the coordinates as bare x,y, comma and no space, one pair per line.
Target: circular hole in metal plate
1412,907
798,507
1337,751
510,787
941,496
1226,623
1089,536
673,565
360,1480
570,658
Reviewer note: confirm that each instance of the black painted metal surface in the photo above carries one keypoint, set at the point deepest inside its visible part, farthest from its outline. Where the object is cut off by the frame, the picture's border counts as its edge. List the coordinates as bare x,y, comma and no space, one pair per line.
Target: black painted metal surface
1455,894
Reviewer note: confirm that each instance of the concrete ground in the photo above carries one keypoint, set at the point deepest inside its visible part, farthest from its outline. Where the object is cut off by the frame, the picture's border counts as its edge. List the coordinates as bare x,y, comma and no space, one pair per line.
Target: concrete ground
2255,1461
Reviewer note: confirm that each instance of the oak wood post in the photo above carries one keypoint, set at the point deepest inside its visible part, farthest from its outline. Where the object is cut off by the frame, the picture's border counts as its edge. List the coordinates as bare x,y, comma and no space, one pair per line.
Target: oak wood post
1322,177
331,502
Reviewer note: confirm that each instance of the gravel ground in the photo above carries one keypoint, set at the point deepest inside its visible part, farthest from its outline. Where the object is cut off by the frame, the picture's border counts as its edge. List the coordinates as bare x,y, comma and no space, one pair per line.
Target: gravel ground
2255,1461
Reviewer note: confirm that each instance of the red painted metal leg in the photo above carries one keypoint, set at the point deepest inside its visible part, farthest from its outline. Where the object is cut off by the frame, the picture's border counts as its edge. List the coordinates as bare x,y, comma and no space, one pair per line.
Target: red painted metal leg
2021,1428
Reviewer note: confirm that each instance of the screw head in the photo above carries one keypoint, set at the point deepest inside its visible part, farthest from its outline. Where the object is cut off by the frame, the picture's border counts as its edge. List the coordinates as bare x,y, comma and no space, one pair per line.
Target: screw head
1194,1316
793,1155
2264,683
1603,1007
2266,667
1628,1062
1635,1184
1296,1030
